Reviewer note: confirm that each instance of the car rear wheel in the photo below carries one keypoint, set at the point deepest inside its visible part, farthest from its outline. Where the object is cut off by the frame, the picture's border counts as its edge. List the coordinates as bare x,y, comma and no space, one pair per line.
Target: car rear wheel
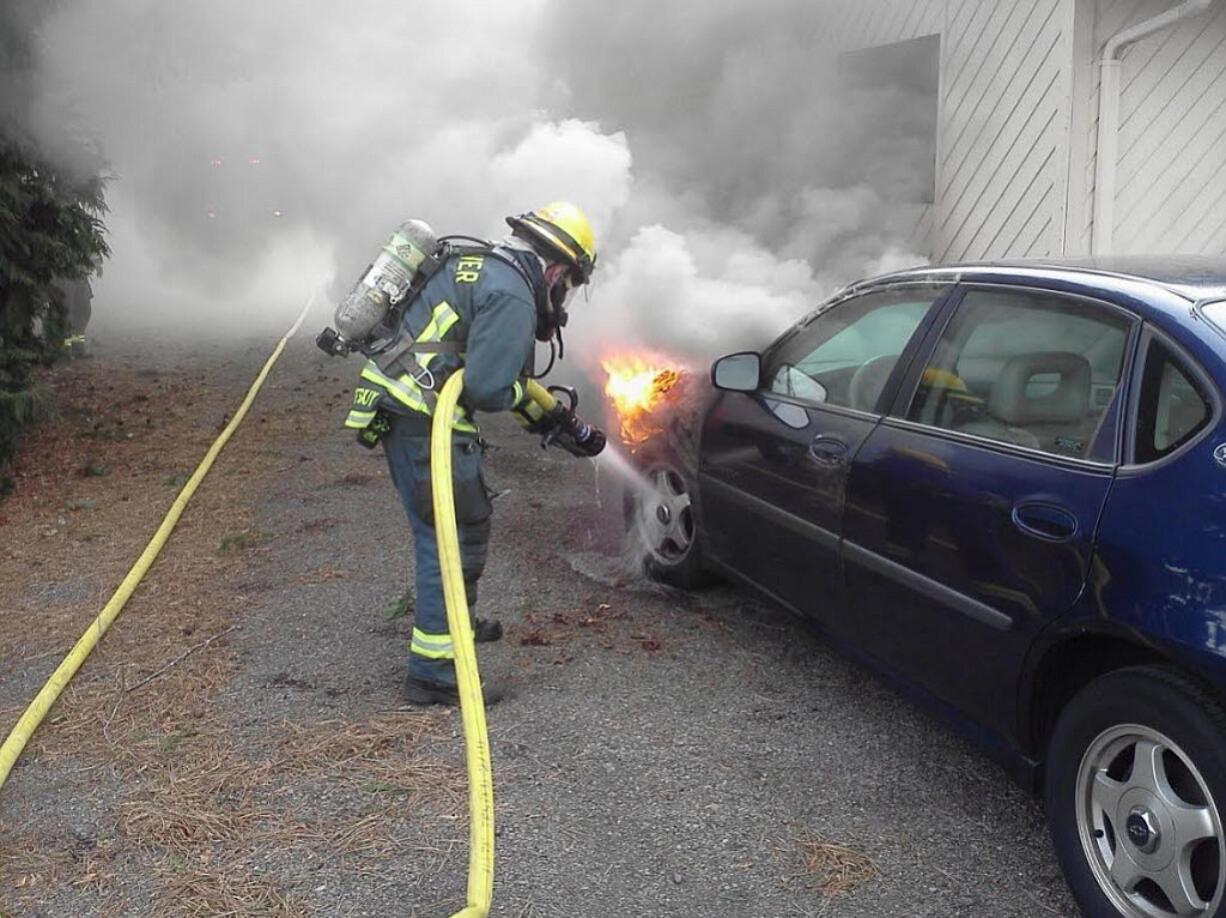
661,524
1135,785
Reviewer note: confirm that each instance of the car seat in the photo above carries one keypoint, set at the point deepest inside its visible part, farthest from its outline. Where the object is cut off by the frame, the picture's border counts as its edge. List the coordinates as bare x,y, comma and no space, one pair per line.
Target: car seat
1057,421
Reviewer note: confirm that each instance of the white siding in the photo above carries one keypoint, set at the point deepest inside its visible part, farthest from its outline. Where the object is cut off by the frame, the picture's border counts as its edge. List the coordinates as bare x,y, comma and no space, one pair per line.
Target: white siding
1001,180
1003,154
1171,180
1019,119
1171,172
881,22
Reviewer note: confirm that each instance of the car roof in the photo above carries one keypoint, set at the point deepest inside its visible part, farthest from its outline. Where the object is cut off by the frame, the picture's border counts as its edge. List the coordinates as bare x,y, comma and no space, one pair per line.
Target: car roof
1193,277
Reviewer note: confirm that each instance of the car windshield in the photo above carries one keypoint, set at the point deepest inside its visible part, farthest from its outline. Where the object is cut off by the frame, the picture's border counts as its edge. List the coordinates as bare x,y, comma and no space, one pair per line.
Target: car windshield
1216,313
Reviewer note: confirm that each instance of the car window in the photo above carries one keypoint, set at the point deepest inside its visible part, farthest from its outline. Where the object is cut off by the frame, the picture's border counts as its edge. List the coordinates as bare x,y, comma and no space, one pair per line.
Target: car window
845,355
1030,369
1216,312
1172,408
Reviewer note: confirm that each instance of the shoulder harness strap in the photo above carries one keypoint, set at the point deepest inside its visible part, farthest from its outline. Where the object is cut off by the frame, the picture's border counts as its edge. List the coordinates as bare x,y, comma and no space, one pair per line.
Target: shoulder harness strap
389,360
485,247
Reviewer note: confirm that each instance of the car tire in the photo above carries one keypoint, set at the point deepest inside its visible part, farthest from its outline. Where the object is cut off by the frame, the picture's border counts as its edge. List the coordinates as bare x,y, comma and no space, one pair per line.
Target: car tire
661,528
1135,791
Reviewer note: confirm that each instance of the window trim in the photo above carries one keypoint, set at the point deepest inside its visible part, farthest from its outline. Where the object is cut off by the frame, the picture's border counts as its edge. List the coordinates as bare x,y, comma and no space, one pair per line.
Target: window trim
909,387
844,410
1198,309
1189,365
943,289
1000,446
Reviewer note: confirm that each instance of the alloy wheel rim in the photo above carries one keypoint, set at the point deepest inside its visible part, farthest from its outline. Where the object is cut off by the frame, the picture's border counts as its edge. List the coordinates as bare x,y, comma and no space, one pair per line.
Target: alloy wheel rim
1149,826
666,517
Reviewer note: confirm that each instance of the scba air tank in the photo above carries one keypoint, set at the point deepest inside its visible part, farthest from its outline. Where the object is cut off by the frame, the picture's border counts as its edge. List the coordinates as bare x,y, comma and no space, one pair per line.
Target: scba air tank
385,283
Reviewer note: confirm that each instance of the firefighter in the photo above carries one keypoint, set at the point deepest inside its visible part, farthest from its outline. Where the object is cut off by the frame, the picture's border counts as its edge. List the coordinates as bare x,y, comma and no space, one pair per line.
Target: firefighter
78,296
482,310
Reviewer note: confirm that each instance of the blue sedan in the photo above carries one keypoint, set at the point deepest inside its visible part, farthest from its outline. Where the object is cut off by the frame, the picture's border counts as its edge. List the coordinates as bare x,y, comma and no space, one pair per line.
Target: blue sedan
1003,487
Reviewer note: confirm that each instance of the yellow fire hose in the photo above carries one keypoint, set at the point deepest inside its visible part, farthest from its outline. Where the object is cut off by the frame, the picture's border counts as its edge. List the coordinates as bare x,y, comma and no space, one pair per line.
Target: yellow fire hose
472,704
46,697
472,707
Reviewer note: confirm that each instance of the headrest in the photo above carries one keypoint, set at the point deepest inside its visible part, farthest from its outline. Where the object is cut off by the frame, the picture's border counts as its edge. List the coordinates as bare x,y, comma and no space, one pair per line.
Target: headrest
1070,400
869,380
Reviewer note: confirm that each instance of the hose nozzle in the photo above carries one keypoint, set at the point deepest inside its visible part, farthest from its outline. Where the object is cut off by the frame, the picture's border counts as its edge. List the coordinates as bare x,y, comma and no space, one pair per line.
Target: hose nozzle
560,426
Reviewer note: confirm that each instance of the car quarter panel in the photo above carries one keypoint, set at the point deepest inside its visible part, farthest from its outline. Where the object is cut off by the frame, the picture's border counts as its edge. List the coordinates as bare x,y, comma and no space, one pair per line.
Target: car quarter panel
1160,567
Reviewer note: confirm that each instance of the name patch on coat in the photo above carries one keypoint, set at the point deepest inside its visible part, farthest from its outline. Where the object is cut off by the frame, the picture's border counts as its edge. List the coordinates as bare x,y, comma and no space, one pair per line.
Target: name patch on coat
468,269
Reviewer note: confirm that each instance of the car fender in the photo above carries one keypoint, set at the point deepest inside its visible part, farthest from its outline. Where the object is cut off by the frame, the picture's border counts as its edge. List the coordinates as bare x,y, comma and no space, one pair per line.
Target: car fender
1084,646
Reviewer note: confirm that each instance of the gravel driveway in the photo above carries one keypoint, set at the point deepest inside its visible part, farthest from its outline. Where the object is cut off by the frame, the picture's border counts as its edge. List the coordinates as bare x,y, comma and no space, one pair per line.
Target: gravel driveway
661,753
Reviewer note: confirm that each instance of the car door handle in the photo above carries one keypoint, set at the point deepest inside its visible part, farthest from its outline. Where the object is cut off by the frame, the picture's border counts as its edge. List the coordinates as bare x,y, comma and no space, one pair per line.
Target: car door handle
1045,521
828,450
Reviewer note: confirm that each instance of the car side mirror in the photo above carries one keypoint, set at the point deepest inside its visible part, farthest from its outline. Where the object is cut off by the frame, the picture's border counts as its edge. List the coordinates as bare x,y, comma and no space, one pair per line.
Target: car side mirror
738,372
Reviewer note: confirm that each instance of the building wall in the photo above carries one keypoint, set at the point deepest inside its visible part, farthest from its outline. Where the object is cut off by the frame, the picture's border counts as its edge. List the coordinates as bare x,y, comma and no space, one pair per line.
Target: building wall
1019,118
1171,172
1002,147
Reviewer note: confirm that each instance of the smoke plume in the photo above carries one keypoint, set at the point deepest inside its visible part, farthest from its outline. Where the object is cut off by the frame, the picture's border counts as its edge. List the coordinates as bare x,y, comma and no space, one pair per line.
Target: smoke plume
763,177
261,151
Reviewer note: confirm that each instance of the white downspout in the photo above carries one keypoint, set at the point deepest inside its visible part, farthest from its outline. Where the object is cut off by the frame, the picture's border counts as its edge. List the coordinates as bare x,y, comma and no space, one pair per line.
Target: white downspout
1109,116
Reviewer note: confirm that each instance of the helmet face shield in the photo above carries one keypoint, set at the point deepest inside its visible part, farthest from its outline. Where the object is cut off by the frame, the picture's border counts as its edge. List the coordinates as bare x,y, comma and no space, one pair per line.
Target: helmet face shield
578,277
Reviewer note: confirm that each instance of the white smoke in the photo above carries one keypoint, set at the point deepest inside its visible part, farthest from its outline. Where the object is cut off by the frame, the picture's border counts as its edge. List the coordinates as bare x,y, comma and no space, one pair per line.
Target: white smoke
570,160
694,294
264,150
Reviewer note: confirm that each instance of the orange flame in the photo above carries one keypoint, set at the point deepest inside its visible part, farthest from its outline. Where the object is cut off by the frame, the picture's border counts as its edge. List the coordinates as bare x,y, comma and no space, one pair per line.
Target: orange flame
636,387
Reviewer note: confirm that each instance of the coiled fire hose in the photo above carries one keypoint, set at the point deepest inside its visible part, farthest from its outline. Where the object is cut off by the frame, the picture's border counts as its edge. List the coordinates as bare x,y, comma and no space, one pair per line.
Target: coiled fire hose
37,711
472,703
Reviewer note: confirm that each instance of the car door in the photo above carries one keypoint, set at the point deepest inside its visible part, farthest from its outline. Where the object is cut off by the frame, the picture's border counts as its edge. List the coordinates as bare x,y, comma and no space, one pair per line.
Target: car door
971,510
774,461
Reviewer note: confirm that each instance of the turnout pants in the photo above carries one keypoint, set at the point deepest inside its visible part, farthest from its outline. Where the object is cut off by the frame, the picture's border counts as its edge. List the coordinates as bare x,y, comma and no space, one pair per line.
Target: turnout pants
407,447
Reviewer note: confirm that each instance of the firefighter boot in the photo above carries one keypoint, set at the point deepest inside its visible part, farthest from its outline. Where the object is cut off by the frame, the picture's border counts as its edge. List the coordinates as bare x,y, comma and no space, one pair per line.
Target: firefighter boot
486,630
423,692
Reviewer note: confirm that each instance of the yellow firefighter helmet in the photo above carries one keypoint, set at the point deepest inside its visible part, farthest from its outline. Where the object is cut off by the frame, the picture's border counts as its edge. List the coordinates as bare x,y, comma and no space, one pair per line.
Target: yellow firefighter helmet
564,230
952,383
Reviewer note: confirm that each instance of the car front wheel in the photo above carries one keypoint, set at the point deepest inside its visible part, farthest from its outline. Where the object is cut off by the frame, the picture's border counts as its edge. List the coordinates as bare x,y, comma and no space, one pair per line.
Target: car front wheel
1135,784
661,524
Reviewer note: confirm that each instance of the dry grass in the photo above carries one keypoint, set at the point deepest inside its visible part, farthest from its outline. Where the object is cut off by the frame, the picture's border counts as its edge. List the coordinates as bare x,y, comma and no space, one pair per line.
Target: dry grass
342,742
185,820
836,869
195,808
158,439
29,867
364,837
157,723
384,755
205,814
219,803
94,870
207,793
321,575
32,866
217,890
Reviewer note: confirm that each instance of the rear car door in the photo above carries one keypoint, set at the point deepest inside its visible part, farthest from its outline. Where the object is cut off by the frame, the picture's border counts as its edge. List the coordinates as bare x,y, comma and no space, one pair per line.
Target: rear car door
774,462
971,511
